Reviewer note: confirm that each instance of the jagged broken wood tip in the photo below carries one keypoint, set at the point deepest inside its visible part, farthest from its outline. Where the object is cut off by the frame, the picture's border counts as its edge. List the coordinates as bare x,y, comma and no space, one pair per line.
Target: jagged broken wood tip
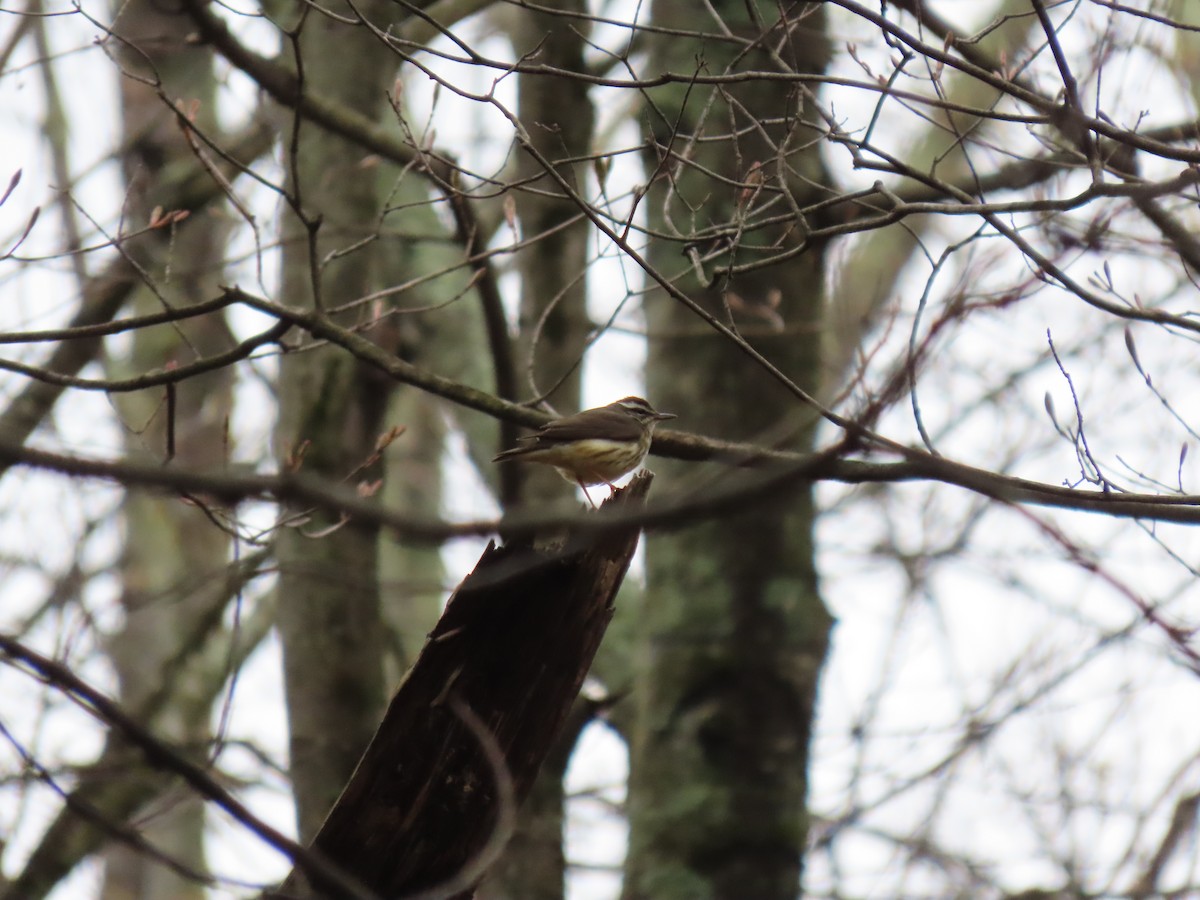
634,492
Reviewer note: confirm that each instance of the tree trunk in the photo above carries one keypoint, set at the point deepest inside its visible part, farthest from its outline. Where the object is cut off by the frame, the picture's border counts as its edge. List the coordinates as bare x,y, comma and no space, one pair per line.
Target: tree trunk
172,549
331,415
733,631
434,800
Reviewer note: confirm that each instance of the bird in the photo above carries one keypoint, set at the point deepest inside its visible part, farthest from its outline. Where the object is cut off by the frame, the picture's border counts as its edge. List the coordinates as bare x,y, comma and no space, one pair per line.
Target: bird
596,446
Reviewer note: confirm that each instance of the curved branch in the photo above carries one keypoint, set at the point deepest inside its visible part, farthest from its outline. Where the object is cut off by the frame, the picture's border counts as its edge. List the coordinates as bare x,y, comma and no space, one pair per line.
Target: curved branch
161,756
286,89
104,295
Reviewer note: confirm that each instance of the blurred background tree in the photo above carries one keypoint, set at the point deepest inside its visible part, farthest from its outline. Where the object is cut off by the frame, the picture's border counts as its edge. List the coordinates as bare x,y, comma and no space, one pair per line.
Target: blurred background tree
918,281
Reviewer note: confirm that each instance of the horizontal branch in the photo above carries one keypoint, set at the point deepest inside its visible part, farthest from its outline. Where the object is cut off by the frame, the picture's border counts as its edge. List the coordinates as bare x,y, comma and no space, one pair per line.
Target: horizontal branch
106,293
779,468
155,377
773,475
115,326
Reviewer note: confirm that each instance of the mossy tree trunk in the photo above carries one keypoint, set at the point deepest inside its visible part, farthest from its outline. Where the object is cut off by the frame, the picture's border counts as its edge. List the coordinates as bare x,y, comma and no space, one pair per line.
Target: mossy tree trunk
331,416
172,549
733,630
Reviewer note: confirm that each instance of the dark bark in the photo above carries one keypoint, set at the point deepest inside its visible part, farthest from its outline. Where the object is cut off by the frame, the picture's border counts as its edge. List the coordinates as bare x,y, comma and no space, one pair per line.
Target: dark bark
554,326
433,798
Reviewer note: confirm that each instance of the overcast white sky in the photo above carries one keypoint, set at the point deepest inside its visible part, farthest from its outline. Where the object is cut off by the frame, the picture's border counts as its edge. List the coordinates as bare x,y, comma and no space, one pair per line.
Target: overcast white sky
1006,625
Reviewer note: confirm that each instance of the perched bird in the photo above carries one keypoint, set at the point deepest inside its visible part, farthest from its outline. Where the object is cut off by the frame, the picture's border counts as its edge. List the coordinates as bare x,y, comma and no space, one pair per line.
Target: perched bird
596,446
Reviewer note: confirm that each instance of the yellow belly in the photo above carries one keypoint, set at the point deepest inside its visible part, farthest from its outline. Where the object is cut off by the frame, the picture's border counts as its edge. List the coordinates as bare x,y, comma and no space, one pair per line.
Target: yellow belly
591,462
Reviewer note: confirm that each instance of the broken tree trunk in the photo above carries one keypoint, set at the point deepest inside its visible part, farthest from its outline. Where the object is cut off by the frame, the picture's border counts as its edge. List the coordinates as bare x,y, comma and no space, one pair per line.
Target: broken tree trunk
433,799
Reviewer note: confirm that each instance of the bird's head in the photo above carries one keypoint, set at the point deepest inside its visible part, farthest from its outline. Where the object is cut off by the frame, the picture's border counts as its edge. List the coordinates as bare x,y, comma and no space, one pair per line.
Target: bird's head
641,410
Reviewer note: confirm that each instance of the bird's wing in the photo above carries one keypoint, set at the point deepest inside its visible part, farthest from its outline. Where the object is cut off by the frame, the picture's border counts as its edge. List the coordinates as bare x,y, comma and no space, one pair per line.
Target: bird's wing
614,425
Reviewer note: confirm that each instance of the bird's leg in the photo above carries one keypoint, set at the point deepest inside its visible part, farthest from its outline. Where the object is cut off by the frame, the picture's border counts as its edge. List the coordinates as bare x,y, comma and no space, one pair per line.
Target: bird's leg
590,501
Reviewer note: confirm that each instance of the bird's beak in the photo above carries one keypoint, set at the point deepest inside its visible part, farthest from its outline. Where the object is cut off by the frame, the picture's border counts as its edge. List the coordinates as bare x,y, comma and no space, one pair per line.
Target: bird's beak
658,417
